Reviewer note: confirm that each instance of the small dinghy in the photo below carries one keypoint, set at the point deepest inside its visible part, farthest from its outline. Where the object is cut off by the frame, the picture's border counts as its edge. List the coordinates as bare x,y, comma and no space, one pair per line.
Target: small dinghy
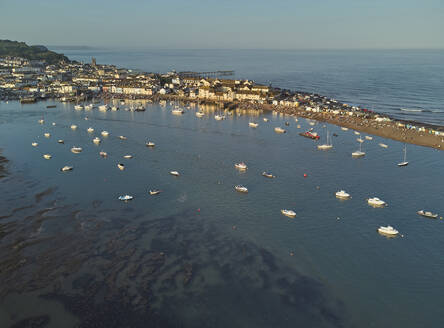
61,141
47,134
289,213
368,138
103,154
128,156
150,144
265,119
47,156
53,123
125,198
122,138
279,130
66,168
383,145
253,125
90,130
76,150
96,140
199,114
34,144
268,175
41,121
175,173
105,133
154,192
240,188
427,214
121,166
73,127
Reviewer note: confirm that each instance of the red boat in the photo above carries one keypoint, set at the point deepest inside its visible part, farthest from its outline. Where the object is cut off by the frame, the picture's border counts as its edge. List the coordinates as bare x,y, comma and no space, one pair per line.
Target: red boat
310,134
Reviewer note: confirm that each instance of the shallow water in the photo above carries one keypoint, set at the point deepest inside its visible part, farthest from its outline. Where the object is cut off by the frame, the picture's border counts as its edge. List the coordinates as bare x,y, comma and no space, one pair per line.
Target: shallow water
200,254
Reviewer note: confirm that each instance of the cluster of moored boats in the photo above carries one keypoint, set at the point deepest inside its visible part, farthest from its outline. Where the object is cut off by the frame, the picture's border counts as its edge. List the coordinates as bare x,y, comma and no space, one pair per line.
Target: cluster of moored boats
242,166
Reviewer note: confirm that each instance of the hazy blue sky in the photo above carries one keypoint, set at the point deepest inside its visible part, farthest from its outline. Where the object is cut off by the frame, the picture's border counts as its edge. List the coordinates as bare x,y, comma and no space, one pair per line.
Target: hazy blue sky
288,24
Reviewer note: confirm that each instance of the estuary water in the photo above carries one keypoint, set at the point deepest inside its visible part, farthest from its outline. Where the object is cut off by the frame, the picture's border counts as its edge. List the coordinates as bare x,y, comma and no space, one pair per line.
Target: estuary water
407,84
200,254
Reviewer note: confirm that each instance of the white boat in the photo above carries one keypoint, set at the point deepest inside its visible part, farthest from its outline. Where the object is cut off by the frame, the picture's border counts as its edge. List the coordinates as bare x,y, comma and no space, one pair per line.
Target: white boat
78,107
125,198
115,108
61,141
122,138
368,138
66,168
73,127
358,153
76,150
90,130
47,156
200,114
241,166
154,192
342,194
326,146
47,134
427,214
103,154
279,130
265,119
344,129
375,201
289,213
121,166
219,117
383,145
388,231
105,133
360,140
89,107
128,156
177,111
175,173
298,126
404,162
253,125
103,108
268,175
150,144
240,188
357,133
41,121
53,123
34,144
312,123
96,140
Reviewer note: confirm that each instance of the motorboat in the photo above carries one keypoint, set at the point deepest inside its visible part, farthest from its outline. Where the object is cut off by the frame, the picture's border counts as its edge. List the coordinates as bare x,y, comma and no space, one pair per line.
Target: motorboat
78,107
383,145
357,133
103,154
344,129
241,166
61,141
360,140
150,144
375,201
34,144
53,123
312,123
404,162
310,134
427,214
175,173
388,231
342,194
177,111
105,133
47,156
122,138
96,140
279,130
121,166
73,127
253,125
219,117
41,121
128,156
90,130
125,198
289,213
76,150
89,107
268,175
240,188
103,108
265,119
200,114
359,153
115,108
47,134
154,192
66,168
368,137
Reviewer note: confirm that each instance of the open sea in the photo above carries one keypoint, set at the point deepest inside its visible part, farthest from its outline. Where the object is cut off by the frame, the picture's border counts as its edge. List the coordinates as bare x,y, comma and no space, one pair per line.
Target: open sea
200,254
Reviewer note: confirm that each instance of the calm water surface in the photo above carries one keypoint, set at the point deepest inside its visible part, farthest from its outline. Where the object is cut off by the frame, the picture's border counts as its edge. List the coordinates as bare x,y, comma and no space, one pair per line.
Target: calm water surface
200,254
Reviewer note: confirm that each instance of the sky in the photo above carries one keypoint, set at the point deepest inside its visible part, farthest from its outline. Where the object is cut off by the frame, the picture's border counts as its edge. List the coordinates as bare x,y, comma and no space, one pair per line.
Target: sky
228,24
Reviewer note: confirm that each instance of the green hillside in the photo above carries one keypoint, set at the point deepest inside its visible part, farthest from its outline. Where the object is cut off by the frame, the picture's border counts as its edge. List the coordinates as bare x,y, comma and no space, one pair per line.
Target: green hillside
21,49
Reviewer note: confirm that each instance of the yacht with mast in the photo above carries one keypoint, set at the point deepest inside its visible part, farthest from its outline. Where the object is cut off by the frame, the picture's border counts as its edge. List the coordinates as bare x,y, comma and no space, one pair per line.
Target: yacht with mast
404,162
